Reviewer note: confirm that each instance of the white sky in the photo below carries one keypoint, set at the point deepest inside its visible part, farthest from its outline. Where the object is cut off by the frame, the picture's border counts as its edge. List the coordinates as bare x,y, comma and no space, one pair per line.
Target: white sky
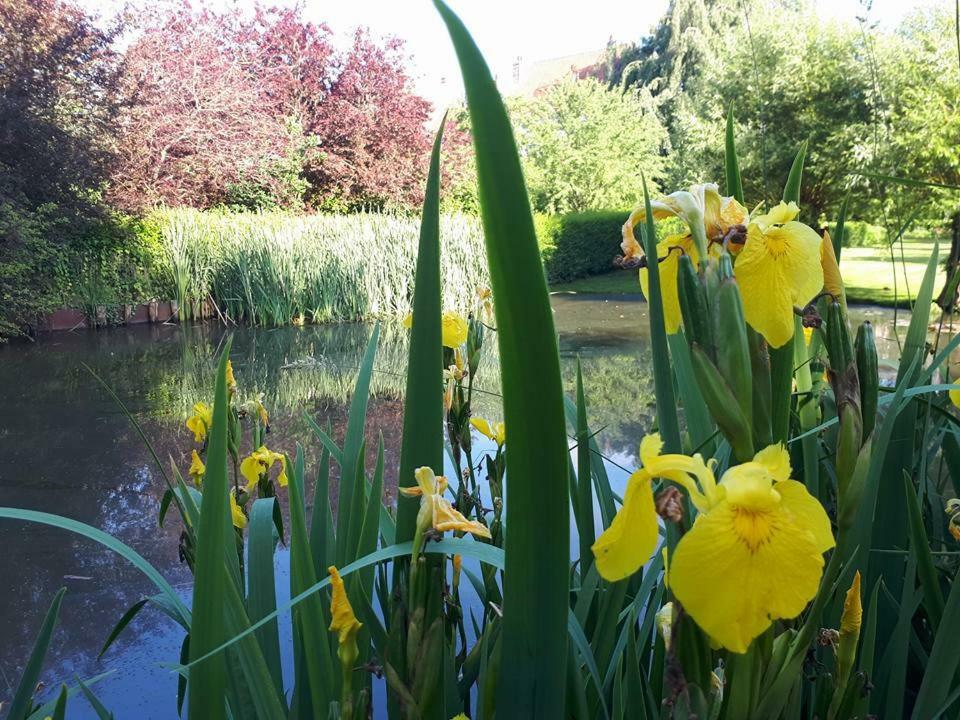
506,29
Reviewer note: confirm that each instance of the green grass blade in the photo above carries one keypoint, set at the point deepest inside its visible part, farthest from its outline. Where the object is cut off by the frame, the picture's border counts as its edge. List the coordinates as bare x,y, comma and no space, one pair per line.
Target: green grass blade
697,418
601,482
46,710
920,545
423,400
309,618
322,541
60,709
667,420
734,185
261,584
938,680
111,543
346,533
583,648
909,181
791,191
98,707
534,639
585,526
122,623
208,680
23,697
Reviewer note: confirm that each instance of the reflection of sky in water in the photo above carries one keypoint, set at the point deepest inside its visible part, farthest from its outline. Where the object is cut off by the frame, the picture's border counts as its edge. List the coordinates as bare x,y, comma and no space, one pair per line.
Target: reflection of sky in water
66,449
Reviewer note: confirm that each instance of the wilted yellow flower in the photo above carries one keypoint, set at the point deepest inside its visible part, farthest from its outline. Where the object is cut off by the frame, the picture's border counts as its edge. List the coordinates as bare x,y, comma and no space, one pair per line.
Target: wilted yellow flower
454,328
457,561
200,422
259,462
852,616
664,619
485,298
236,513
231,380
197,468
497,433
702,207
754,554
778,269
707,214
832,281
343,621
953,510
435,510
262,414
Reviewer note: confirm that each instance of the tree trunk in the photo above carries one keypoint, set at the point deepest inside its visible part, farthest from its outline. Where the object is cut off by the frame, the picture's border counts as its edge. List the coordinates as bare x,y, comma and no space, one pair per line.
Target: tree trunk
949,295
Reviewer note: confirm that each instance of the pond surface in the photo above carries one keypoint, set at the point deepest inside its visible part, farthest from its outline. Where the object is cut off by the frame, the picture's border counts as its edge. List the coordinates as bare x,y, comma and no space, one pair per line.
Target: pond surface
66,448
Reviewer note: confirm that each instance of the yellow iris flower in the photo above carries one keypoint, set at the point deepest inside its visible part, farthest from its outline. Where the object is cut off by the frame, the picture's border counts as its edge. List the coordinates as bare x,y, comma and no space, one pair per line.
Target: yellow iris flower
236,513
955,394
200,422
259,463
778,269
497,432
754,554
197,468
704,211
453,328
435,510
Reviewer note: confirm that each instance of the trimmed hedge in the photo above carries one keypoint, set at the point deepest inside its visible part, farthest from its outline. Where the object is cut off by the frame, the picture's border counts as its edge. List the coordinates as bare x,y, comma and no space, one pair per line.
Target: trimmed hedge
579,244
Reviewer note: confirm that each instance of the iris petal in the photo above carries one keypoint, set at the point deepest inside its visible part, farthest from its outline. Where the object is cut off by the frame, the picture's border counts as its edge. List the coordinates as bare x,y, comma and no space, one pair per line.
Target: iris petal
735,573
632,536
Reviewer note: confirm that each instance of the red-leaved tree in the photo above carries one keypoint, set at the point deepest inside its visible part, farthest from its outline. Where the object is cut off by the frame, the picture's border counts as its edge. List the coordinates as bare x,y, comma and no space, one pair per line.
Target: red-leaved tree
223,100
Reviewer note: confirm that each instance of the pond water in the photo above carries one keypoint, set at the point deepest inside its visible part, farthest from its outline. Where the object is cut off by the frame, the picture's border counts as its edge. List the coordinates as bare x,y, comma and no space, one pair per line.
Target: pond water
66,448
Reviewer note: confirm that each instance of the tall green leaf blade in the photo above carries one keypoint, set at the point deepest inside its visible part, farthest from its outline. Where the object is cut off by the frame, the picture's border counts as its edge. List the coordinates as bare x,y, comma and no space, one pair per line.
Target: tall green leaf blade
309,617
667,420
890,530
23,697
347,534
938,680
322,540
838,229
98,707
584,480
261,590
920,545
111,543
791,191
534,639
208,680
423,400
731,164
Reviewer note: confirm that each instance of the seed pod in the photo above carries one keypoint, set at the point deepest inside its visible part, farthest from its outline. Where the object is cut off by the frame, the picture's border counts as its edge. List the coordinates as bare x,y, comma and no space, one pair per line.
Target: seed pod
838,339
869,375
733,350
849,438
693,304
722,405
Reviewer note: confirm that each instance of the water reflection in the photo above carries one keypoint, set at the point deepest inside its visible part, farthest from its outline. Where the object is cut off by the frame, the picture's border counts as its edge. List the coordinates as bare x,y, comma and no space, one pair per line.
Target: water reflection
65,448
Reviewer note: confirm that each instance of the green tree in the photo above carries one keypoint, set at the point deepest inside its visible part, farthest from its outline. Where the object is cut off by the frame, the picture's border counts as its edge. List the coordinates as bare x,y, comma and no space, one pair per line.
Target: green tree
582,145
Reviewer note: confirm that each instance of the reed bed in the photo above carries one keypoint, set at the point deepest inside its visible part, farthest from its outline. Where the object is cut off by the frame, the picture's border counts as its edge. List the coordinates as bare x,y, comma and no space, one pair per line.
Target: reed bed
277,268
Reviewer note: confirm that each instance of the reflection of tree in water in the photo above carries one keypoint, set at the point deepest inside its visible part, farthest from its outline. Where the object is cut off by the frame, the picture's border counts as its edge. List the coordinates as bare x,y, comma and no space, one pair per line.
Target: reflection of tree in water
94,468
620,400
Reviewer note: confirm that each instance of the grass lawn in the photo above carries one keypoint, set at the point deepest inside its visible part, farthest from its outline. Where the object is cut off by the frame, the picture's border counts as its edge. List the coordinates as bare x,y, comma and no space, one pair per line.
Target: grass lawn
867,272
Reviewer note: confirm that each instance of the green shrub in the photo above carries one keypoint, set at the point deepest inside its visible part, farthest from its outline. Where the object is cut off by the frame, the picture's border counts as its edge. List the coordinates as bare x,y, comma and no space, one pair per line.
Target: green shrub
862,234
579,244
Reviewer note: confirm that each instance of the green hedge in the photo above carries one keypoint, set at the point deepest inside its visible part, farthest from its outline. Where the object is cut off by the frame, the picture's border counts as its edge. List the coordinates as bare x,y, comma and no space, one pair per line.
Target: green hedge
863,234
579,244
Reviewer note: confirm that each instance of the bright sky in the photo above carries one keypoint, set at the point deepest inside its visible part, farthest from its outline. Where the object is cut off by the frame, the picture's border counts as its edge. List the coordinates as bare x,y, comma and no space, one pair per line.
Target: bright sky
505,29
